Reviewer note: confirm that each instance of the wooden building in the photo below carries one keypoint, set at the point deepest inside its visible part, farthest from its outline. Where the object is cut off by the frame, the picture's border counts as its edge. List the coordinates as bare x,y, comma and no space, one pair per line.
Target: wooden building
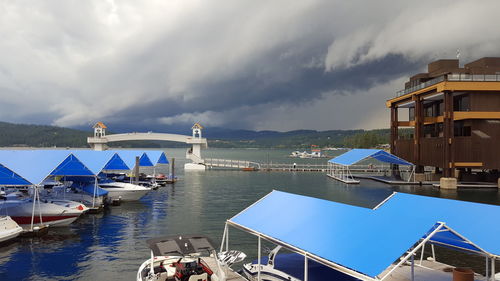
454,116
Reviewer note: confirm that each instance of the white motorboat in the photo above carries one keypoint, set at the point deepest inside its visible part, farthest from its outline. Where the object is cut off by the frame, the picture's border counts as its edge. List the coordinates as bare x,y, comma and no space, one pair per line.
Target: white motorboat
20,209
188,258
85,193
68,204
9,229
124,191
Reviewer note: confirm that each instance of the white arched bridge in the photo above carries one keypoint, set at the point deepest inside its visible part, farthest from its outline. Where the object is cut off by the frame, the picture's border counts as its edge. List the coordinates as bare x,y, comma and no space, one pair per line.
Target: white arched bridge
100,140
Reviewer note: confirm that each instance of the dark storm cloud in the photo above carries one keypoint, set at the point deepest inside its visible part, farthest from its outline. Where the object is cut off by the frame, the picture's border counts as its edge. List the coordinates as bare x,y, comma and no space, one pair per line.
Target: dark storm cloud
245,64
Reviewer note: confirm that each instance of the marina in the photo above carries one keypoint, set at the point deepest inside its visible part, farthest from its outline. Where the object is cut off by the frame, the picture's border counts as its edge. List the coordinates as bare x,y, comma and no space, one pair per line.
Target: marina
113,241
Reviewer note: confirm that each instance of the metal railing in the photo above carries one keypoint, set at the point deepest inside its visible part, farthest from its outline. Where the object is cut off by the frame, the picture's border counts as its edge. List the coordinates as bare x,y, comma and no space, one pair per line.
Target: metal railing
451,77
230,163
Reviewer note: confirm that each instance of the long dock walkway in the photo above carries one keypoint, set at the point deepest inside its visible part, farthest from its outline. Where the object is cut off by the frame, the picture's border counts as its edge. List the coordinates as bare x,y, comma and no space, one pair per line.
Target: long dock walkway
232,164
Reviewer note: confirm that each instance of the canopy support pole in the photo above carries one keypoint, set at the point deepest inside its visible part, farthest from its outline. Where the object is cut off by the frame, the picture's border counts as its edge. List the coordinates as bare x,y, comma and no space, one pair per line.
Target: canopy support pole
306,277
227,239
412,173
422,254
413,268
95,192
39,207
258,261
411,253
493,268
223,238
433,252
487,269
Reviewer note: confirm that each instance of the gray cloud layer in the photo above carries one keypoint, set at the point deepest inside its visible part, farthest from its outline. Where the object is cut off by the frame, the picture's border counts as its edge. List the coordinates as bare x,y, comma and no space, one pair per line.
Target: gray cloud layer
278,64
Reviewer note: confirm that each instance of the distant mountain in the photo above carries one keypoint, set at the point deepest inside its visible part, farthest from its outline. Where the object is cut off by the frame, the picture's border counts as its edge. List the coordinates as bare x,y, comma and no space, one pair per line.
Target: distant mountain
49,136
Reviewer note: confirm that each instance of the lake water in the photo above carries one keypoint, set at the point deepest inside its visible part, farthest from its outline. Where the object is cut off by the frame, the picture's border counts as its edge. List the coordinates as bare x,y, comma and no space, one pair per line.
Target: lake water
112,245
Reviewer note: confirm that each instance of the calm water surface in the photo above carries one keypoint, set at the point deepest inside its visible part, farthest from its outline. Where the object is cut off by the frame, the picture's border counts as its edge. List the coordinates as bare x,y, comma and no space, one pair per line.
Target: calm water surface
112,245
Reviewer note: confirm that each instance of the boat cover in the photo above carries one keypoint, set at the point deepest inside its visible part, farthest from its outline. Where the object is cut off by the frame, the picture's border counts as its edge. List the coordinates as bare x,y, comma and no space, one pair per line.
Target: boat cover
369,240
180,245
8,177
354,156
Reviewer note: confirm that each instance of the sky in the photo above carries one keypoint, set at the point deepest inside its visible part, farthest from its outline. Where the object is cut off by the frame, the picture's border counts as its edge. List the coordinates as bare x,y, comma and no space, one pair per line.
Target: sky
240,64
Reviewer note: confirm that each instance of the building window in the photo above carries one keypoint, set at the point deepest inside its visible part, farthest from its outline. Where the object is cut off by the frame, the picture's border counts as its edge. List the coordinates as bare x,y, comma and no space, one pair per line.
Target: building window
411,113
439,108
433,130
461,130
428,111
461,103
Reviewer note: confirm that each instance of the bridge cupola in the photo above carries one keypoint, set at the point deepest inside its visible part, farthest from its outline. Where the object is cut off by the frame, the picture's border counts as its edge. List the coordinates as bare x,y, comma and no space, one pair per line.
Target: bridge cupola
197,130
99,130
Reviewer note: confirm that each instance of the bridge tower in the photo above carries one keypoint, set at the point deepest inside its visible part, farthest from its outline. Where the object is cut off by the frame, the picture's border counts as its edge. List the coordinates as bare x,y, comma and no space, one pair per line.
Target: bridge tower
100,136
194,152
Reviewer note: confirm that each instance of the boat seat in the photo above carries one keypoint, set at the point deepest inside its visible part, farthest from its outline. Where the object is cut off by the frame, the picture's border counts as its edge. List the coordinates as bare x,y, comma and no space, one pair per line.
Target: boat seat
199,277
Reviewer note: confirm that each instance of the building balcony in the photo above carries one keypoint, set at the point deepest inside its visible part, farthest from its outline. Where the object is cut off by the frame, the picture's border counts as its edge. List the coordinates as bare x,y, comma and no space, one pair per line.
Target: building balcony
453,77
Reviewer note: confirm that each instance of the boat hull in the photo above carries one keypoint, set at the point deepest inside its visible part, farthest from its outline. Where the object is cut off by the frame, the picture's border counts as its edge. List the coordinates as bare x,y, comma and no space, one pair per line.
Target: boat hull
125,191
9,229
54,215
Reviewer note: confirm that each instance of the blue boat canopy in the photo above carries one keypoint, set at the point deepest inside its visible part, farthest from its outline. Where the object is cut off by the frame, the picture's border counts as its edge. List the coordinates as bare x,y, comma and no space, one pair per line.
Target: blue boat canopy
72,166
128,156
116,163
36,165
144,161
9,178
364,242
163,159
354,156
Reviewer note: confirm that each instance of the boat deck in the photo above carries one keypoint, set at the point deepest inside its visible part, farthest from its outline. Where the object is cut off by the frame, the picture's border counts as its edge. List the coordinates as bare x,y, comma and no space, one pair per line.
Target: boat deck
429,271
231,275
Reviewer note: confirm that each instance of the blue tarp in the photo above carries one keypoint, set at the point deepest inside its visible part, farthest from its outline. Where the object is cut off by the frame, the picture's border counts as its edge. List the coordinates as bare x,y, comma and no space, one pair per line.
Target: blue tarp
94,160
8,177
144,161
36,165
163,159
354,156
128,156
72,166
116,163
366,240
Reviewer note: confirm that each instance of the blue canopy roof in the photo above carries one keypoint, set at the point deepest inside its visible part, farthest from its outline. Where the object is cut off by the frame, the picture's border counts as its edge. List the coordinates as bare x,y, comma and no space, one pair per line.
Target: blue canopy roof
8,177
163,159
72,166
365,240
144,161
36,165
128,156
354,156
116,163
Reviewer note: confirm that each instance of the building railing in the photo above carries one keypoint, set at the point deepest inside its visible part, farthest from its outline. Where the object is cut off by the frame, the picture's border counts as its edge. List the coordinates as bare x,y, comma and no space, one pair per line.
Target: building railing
451,77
